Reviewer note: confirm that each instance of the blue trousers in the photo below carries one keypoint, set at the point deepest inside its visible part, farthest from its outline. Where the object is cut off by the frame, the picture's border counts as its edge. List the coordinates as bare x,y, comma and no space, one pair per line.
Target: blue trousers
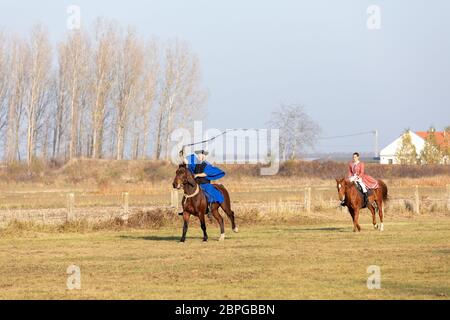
212,194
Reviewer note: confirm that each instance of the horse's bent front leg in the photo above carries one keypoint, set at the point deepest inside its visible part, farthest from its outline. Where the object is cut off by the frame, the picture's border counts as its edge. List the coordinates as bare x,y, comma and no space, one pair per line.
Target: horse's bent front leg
186,216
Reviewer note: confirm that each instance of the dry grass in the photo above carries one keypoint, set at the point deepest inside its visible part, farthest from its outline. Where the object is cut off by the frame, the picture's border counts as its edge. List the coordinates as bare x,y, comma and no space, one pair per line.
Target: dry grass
281,251
308,259
141,219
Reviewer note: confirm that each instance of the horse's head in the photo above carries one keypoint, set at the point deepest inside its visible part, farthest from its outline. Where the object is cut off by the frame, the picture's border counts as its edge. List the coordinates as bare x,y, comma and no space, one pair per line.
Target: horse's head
182,177
341,184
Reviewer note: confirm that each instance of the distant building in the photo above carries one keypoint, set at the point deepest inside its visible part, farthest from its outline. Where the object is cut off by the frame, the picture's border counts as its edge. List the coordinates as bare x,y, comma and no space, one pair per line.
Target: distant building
387,155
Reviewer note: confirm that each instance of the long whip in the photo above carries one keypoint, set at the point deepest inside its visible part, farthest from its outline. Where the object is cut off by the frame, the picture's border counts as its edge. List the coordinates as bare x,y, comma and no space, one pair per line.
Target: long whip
205,141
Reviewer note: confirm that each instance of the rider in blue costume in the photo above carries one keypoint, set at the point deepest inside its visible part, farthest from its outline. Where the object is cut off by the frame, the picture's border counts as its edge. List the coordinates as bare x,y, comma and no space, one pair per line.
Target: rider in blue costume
204,173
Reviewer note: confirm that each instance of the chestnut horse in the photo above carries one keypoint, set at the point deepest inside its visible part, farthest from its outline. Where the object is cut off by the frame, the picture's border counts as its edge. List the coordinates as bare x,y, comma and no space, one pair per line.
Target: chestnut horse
194,203
354,201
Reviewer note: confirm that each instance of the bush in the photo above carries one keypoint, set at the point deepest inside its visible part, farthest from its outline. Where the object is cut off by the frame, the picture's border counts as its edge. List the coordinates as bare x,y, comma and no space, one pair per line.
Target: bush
107,172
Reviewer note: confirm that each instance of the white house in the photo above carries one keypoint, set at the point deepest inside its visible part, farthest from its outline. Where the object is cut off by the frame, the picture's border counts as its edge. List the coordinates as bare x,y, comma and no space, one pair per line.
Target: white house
387,155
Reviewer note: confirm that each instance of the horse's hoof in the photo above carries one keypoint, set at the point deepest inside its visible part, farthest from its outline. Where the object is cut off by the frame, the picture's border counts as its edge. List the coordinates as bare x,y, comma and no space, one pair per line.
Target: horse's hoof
182,240
205,239
222,237
382,227
375,226
236,230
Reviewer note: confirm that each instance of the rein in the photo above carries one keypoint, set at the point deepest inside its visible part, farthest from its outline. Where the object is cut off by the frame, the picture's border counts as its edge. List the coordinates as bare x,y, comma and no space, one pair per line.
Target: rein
197,190
187,196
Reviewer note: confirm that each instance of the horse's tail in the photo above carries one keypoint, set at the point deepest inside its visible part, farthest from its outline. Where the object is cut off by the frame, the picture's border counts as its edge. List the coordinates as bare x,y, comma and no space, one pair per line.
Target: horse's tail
384,190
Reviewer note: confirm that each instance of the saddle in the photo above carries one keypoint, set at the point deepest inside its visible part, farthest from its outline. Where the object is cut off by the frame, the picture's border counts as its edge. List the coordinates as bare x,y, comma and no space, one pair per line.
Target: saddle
361,193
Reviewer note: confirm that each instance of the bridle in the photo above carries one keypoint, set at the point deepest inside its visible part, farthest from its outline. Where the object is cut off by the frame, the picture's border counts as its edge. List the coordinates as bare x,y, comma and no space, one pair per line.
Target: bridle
342,184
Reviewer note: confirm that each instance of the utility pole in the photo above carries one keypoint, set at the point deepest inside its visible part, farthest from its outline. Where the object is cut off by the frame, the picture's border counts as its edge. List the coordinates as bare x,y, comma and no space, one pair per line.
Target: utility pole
376,154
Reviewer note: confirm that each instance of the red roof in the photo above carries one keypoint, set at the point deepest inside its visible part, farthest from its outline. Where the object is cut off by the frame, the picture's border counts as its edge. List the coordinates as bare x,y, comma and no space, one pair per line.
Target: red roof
440,136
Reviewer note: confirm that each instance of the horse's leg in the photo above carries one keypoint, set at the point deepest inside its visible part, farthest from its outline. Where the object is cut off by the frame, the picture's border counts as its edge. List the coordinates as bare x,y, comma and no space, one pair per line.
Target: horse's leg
356,222
352,213
230,214
216,214
233,223
380,210
186,216
374,218
226,206
203,225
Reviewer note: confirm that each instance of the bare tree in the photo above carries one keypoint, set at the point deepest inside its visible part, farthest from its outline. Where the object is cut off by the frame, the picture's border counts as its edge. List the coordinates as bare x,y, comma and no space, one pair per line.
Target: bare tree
181,94
141,114
18,76
44,115
297,130
39,66
108,94
75,53
129,69
4,80
62,96
106,40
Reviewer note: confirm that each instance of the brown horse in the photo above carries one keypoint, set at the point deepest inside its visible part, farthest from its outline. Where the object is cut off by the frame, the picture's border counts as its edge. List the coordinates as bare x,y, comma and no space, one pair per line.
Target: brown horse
194,203
354,201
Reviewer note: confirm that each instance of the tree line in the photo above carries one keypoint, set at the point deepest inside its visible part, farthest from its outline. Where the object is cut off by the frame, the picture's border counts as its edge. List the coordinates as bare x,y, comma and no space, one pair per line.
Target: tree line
105,92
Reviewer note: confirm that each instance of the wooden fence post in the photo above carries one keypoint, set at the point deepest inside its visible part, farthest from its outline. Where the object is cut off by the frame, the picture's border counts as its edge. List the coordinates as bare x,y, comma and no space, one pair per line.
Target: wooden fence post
125,202
448,197
125,206
308,199
174,202
70,205
416,200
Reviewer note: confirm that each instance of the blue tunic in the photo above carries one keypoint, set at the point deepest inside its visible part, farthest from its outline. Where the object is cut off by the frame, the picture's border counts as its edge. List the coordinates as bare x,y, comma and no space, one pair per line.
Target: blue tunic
212,173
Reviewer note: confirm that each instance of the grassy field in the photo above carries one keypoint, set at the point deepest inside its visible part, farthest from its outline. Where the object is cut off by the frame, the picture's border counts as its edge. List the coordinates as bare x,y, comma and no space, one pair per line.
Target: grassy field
281,251
305,258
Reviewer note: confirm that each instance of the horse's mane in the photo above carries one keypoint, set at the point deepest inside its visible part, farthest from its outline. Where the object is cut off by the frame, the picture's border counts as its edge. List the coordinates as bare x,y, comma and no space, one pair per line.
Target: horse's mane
188,172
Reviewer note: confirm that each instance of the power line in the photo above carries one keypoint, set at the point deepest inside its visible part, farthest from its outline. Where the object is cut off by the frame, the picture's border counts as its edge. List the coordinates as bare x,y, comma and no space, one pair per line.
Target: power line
347,135
373,132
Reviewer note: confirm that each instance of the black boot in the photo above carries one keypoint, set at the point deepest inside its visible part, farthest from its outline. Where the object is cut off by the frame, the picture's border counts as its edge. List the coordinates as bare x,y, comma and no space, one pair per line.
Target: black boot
366,199
209,211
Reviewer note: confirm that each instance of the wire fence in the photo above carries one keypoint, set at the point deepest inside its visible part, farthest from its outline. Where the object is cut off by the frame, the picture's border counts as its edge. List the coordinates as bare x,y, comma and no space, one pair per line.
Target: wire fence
56,207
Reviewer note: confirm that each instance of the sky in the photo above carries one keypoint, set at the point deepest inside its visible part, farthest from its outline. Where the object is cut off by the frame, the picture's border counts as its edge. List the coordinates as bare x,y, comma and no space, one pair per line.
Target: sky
256,55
